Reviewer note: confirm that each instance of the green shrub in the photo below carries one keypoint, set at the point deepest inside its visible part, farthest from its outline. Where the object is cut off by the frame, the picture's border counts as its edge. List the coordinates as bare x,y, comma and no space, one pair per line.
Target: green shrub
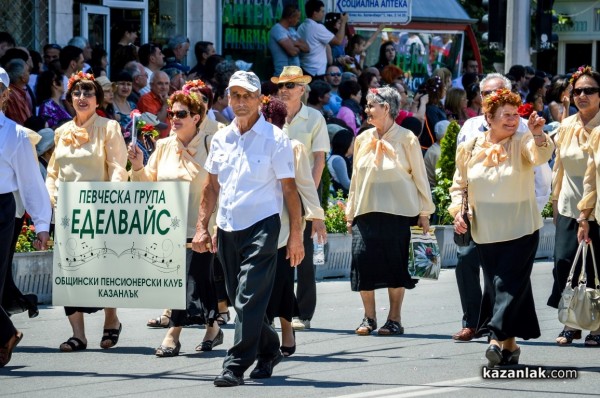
444,173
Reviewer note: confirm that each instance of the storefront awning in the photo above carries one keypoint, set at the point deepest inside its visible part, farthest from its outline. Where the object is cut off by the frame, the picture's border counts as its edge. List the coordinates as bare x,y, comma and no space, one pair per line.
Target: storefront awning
448,11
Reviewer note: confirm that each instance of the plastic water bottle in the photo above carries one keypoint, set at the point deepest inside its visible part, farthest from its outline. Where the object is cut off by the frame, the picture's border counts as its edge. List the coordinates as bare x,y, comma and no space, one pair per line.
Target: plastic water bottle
319,253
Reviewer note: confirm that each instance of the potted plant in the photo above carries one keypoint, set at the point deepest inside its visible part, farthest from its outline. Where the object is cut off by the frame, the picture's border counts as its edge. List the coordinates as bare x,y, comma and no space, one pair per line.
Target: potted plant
32,270
338,250
444,230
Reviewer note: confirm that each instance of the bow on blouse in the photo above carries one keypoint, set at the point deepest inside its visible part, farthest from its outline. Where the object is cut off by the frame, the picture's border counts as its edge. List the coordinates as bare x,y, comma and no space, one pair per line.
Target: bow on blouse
494,154
382,147
76,137
187,158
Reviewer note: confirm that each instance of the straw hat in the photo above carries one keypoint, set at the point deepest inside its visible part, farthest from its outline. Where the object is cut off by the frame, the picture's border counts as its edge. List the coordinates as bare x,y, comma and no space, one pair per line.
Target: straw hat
291,74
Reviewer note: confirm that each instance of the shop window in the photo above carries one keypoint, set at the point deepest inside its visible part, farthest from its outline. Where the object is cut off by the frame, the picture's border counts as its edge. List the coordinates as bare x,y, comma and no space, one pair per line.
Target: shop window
596,19
166,19
577,54
26,21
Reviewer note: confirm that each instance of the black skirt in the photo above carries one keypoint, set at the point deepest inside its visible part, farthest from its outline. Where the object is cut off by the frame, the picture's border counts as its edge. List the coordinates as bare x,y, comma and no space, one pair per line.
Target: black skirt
283,300
507,306
380,244
565,247
201,297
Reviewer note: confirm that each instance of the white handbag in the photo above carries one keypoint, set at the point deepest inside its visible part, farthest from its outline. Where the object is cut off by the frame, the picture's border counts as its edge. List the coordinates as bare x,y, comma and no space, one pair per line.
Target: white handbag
579,307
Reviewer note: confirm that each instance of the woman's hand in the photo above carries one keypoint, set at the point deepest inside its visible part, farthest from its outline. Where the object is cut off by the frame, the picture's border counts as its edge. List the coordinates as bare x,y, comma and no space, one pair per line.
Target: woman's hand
536,124
460,227
136,157
349,227
583,231
566,101
423,222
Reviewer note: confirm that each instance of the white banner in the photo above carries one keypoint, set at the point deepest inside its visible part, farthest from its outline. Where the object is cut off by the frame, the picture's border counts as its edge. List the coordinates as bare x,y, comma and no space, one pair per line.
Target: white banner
120,245
376,11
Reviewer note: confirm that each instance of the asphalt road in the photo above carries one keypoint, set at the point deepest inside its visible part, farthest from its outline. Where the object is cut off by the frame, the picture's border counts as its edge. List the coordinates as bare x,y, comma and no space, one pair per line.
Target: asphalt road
331,361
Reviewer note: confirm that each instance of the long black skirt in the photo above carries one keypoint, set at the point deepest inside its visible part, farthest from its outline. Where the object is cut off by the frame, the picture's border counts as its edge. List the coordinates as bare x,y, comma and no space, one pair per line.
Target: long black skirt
380,244
201,296
507,306
283,300
565,247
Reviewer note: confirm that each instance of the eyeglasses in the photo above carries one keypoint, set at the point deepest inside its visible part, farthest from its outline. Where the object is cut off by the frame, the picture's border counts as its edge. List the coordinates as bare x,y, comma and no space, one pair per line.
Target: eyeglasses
338,74
86,94
288,85
586,91
179,114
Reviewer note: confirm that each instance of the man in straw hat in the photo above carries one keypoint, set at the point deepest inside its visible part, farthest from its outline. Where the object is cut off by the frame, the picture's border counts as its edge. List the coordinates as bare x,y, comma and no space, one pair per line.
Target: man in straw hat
18,172
308,126
251,171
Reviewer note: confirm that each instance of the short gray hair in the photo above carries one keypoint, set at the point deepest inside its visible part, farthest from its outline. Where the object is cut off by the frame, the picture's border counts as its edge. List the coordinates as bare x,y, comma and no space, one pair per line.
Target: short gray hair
176,41
440,129
15,69
386,95
492,76
133,68
78,41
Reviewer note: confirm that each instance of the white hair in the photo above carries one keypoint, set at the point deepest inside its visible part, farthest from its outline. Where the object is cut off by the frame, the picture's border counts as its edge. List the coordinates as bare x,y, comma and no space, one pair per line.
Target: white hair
492,76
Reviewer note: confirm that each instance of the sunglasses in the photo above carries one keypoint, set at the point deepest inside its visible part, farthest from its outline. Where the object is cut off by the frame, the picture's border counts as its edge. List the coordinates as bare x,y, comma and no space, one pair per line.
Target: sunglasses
338,74
586,91
178,114
288,85
86,94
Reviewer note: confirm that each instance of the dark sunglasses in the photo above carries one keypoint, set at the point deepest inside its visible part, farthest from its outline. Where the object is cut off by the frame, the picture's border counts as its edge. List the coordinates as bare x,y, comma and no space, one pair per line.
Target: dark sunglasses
178,114
288,85
586,91
335,74
86,94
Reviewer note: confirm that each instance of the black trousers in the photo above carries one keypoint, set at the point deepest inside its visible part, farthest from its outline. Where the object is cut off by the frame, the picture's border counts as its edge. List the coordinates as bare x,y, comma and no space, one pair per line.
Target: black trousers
249,258
469,287
306,289
7,224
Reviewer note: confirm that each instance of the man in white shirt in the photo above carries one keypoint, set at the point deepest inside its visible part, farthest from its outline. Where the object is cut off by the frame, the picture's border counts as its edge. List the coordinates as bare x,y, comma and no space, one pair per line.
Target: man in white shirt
316,35
251,171
18,171
467,268
308,126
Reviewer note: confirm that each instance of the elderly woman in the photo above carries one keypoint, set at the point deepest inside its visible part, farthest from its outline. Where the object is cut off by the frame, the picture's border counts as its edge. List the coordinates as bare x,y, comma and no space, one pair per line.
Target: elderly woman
282,303
180,157
586,86
495,172
388,190
88,148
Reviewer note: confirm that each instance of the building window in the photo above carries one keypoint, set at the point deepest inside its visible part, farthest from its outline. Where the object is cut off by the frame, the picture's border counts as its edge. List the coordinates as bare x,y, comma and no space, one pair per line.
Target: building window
596,19
577,54
26,21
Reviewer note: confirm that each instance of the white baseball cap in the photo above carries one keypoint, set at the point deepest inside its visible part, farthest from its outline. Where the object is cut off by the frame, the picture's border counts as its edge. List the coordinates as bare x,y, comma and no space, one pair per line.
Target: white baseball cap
246,80
4,77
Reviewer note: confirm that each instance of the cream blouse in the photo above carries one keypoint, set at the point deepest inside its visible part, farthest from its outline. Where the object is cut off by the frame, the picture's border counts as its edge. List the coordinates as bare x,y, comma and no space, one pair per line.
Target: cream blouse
500,186
172,161
570,163
388,175
93,152
306,188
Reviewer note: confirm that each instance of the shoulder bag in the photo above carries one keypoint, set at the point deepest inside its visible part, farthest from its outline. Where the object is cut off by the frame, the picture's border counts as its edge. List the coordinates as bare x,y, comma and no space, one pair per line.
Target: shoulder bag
465,239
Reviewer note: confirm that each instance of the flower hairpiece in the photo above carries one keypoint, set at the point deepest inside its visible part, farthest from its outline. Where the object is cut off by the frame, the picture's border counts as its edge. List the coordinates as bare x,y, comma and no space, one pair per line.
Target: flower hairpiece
525,110
376,92
499,95
582,70
193,84
189,92
75,77
266,100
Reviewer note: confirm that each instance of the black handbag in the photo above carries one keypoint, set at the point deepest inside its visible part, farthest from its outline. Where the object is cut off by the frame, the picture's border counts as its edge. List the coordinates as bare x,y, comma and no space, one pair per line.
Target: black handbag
465,239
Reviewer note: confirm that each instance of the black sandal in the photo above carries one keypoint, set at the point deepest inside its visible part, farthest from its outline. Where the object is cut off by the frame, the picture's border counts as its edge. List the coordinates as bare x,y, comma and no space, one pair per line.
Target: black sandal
390,328
208,345
111,335
289,351
592,337
366,327
569,336
74,344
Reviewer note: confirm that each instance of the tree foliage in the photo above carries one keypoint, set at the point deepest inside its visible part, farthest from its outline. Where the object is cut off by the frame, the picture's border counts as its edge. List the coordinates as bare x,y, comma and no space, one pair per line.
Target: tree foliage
444,173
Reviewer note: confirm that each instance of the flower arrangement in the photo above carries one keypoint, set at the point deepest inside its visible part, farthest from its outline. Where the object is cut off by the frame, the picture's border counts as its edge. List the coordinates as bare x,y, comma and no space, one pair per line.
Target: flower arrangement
582,70
75,77
26,238
146,128
335,215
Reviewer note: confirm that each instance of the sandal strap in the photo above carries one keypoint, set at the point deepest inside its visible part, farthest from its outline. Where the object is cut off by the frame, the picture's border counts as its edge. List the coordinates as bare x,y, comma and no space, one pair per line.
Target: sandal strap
368,323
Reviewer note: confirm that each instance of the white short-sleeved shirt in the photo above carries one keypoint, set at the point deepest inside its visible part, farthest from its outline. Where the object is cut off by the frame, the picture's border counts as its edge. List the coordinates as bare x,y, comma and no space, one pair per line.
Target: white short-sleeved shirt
249,167
317,37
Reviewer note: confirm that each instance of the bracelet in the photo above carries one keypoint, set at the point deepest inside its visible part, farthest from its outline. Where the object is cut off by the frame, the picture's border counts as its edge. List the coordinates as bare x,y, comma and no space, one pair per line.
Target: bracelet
581,219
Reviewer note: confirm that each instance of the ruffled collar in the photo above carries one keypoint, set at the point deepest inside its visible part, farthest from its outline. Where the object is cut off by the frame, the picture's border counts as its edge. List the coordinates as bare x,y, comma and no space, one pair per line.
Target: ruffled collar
494,153
78,135
186,154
